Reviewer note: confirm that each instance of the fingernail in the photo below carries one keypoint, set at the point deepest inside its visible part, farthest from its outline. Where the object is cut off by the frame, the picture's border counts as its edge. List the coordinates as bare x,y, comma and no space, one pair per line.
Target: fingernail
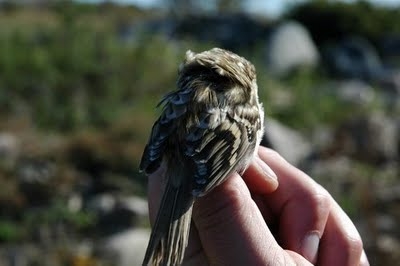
266,169
364,260
309,248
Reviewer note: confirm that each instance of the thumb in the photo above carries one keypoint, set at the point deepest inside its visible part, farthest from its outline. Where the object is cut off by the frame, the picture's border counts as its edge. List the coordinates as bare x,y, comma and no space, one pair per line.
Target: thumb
231,228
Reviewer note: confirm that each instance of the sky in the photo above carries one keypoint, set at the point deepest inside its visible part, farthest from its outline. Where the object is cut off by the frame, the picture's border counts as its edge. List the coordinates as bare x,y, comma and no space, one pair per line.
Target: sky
272,8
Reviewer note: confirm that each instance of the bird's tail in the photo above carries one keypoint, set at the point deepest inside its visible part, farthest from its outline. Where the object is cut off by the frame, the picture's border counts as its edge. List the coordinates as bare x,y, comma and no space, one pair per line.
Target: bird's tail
170,233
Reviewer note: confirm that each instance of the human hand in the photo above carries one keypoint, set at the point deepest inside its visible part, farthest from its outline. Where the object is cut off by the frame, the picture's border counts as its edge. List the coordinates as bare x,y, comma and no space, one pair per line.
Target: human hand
253,221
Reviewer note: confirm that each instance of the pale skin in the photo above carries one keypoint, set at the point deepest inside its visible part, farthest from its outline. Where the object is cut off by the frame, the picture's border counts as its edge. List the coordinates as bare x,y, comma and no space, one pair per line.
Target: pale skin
274,214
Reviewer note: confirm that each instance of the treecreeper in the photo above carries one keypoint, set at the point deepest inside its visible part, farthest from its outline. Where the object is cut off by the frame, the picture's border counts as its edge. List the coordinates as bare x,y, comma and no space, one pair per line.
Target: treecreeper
209,127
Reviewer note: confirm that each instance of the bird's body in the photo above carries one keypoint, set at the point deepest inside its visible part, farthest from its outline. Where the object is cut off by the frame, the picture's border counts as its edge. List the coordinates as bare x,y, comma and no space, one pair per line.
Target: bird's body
209,127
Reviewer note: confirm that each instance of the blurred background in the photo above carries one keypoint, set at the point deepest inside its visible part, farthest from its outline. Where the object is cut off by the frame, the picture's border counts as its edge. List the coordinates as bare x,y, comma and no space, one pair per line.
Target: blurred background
79,82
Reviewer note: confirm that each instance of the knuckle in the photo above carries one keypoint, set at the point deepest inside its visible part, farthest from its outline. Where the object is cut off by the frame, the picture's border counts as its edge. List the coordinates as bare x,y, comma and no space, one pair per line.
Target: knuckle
354,244
270,153
315,197
321,198
351,250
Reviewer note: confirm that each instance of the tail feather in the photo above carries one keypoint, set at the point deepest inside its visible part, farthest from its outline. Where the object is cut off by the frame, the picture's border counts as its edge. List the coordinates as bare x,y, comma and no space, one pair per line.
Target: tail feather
170,234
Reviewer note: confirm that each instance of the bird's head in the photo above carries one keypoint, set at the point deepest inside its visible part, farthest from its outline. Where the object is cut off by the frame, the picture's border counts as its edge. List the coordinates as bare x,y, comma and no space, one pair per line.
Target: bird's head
219,69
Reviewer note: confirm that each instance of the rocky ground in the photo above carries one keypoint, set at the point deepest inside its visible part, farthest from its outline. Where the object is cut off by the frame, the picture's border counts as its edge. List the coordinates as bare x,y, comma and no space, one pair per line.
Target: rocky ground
75,113
73,198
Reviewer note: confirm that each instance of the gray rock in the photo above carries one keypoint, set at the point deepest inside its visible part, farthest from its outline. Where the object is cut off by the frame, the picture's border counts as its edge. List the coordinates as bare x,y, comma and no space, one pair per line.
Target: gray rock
102,203
36,179
334,166
136,205
390,247
290,46
354,57
75,202
355,92
117,213
322,139
372,138
106,202
389,195
126,248
288,142
389,87
386,224
9,150
26,254
333,174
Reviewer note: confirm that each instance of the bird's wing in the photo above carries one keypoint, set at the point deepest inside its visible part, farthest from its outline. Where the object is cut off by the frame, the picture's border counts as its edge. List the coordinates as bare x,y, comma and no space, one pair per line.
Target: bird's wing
174,107
216,151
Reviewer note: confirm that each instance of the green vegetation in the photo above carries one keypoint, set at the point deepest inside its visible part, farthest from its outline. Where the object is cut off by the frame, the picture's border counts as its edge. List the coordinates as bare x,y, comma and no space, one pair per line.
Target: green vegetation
75,75
67,70
9,231
58,213
66,73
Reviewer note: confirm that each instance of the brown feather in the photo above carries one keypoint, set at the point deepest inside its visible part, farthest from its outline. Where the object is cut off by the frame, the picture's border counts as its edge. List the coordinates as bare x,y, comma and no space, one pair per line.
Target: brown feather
209,127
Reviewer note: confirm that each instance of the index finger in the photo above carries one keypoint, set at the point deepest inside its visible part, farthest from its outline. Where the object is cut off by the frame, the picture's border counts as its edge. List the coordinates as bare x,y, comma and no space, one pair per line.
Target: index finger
299,205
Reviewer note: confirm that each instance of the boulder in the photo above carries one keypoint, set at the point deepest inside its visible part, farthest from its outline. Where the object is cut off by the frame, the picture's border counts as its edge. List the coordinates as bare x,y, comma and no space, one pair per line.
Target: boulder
9,149
354,57
126,248
36,179
355,91
117,214
372,138
290,46
288,142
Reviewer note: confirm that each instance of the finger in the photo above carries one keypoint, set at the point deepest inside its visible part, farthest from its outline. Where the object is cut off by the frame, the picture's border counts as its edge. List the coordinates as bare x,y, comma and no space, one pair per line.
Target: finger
310,211
260,178
298,198
364,260
246,236
231,228
341,243
194,254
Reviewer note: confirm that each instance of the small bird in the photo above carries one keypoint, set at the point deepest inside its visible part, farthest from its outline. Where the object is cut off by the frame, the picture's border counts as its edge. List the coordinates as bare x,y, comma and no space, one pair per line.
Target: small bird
210,127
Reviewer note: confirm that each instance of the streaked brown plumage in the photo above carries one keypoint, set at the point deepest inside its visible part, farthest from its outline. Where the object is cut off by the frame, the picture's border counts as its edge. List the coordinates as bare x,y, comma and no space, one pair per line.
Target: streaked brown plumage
209,127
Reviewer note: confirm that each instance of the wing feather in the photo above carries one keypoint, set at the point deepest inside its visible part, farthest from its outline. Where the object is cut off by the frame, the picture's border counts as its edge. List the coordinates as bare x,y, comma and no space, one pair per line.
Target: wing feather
219,154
